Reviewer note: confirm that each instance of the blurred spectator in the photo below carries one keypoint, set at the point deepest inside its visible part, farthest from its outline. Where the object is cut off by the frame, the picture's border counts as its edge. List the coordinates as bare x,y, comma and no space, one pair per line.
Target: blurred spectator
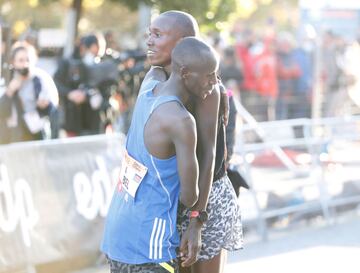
111,44
333,65
303,84
331,69
80,103
230,72
131,73
5,51
288,72
352,72
243,51
266,76
30,96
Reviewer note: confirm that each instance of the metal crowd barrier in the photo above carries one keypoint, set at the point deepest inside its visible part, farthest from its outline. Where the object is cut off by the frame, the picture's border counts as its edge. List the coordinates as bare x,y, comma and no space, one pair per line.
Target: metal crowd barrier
54,196
314,137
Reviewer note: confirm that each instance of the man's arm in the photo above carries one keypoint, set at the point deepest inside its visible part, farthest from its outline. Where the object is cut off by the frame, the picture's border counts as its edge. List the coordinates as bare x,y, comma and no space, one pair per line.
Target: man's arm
6,99
206,120
156,73
61,78
206,115
183,134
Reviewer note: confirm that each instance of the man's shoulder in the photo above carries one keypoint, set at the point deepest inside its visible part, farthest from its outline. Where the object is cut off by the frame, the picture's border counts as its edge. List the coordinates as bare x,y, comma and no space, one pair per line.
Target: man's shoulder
174,116
156,73
147,85
172,108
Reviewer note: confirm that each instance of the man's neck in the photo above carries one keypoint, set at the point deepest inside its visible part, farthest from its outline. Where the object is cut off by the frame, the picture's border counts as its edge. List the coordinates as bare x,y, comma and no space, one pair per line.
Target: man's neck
168,70
174,87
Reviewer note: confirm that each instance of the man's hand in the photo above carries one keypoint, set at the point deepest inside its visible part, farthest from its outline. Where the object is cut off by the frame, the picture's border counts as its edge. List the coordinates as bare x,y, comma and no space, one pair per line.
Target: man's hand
224,107
42,104
14,85
190,243
77,96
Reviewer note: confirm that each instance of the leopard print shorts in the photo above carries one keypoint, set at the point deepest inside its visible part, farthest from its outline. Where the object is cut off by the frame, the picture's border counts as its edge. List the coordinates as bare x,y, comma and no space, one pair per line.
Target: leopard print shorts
223,230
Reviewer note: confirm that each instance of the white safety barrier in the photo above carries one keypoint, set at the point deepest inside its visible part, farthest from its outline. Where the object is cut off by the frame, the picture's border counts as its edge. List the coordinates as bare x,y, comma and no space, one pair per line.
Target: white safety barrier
297,175
53,198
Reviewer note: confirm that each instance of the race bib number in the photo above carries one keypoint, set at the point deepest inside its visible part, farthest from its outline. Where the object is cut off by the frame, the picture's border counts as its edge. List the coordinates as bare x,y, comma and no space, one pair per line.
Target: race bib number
131,174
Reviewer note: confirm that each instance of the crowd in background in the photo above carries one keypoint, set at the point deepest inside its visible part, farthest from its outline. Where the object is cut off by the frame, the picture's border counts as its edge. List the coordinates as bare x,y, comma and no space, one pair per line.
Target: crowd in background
94,90
277,73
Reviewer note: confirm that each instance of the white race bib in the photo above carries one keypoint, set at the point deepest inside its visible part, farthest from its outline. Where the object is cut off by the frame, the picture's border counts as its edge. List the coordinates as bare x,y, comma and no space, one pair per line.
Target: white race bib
131,174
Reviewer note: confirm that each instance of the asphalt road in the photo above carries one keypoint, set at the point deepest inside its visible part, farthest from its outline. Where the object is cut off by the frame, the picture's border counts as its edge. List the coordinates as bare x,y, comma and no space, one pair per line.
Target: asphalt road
314,248
320,248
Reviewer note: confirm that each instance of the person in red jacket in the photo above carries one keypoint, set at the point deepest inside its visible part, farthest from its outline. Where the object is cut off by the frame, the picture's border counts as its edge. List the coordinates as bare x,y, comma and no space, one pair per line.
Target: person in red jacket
266,76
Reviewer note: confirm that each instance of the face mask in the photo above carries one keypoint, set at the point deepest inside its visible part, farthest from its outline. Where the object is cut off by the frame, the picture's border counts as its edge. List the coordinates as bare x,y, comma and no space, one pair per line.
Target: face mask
23,71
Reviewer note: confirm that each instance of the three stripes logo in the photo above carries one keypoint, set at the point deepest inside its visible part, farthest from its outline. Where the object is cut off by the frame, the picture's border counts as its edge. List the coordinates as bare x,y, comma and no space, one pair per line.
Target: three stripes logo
156,239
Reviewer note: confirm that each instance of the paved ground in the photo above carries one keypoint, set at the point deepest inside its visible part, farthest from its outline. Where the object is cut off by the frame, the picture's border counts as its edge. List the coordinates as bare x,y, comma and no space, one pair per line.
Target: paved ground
334,248
314,248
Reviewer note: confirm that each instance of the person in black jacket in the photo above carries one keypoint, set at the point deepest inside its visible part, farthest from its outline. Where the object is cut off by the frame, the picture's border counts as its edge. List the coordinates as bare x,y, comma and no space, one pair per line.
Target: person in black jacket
80,103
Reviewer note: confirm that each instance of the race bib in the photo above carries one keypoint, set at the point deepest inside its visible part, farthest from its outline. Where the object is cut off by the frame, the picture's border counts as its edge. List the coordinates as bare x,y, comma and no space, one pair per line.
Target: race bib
131,174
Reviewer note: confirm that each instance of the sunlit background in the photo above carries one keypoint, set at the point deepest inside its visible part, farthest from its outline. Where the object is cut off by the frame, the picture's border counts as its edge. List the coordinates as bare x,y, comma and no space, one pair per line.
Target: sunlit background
297,147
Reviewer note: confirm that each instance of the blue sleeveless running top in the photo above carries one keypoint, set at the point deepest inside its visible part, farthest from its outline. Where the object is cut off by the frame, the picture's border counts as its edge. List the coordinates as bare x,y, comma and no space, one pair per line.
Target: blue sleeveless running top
143,229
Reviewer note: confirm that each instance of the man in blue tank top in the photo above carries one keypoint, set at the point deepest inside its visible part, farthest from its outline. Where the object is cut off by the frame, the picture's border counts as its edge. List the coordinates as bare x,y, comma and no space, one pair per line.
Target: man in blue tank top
213,225
159,167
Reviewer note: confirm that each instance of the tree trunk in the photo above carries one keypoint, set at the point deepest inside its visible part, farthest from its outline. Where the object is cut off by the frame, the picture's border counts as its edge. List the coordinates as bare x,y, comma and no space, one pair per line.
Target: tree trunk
77,7
72,22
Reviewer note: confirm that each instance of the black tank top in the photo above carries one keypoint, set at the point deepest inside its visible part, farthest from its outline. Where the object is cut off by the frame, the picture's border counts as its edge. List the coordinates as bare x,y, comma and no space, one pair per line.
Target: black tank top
220,157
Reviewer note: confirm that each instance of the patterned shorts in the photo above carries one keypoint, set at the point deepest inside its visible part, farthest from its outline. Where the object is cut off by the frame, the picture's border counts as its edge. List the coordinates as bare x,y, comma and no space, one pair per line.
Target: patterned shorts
223,230
119,267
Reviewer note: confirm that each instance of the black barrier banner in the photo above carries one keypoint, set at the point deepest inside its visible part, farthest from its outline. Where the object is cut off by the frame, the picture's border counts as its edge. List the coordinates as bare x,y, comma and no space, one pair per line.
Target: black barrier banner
54,196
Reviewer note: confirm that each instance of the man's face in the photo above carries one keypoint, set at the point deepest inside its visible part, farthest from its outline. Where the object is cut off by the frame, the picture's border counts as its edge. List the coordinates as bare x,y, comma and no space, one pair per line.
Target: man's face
201,81
161,41
94,49
21,60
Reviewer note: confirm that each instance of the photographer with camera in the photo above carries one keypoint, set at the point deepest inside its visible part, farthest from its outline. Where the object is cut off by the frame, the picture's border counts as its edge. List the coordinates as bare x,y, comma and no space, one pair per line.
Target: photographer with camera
30,96
81,102
131,73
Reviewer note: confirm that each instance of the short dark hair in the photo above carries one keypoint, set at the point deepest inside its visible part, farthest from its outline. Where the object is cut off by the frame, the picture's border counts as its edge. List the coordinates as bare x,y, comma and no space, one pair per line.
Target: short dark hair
22,46
191,51
89,40
15,51
185,22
